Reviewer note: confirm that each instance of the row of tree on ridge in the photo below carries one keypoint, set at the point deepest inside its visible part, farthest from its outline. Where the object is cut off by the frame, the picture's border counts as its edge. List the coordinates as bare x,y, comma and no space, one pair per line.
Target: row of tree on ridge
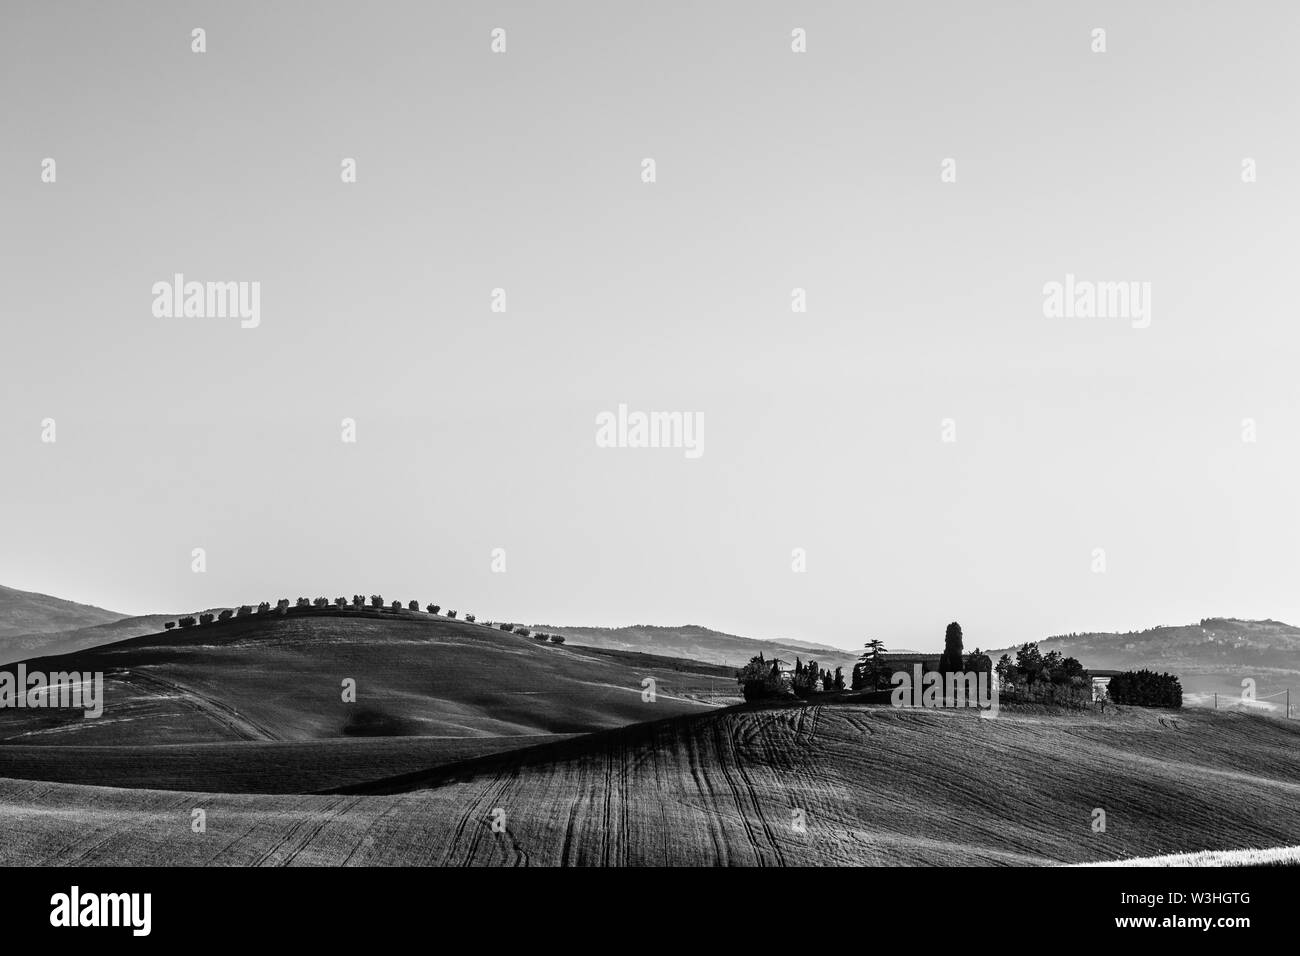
358,603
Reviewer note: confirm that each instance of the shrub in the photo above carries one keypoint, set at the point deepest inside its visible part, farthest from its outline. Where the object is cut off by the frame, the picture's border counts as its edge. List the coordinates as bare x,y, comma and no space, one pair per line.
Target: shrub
1006,671
245,610
264,607
169,625
358,601
1034,676
762,680
321,602
1075,697
1146,688
541,637
205,618
413,606
302,602
1029,662
804,683
451,613
225,615
397,605
470,618
431,608
557,638
523,631
376,600
282,604
506,627
340,602
186,622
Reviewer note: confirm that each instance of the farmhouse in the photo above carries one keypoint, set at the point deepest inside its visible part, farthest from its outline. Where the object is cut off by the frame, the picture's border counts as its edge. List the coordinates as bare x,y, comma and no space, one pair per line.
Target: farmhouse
892,661
1100,681
785,671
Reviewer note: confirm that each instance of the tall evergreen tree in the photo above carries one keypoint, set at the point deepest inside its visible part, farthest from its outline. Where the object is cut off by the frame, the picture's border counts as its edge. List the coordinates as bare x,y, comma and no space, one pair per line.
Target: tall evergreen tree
951,660
871,663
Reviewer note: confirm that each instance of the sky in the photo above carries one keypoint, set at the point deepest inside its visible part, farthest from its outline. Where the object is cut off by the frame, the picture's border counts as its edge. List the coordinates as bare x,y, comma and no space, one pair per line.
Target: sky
937,446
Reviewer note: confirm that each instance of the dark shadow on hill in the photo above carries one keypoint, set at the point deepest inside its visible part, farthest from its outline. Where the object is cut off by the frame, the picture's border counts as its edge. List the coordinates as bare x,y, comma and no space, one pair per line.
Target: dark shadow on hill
372,722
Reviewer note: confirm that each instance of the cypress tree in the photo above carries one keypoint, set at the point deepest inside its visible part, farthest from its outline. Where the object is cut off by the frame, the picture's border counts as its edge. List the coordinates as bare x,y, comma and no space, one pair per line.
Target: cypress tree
951,661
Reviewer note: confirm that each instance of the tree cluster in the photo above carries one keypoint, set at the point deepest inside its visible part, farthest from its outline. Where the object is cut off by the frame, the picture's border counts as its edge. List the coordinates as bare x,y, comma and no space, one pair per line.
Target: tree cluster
1146,688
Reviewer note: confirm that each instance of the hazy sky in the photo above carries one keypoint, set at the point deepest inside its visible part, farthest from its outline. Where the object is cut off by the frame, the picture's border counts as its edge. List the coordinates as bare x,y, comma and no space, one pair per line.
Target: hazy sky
775,170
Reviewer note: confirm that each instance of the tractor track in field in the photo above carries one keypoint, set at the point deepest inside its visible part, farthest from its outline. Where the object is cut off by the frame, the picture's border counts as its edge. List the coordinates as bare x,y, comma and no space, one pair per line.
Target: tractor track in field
476,820
342,807
695,766
606,802
210,707
743,794
494,790
365,835
615,799
283,840
87,856
753,793
462,822
571,823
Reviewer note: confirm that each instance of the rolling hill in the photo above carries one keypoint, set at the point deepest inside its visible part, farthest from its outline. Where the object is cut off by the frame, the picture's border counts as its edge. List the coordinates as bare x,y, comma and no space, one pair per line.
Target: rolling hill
52,626
837,783
282,678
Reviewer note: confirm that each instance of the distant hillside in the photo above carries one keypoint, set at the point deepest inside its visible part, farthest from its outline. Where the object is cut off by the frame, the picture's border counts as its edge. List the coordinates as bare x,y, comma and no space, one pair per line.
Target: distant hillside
26,612
701,644
65,642
1212,656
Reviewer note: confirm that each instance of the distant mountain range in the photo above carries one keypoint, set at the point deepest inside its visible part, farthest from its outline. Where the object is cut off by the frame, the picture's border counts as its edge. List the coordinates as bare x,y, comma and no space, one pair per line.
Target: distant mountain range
33,624
26,612
23,646
702,644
